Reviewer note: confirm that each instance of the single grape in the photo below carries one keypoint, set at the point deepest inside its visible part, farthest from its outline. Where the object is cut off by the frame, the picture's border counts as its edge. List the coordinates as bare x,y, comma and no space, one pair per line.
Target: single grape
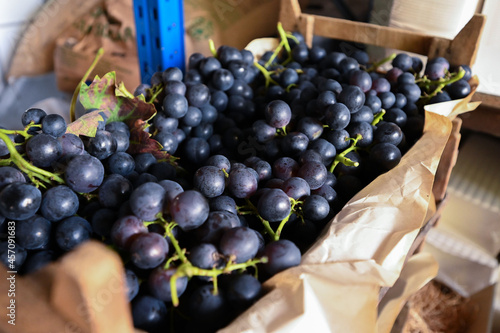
159,283
33,233
281,254
315,207
54,125
314,173
19,201
9,175
274,204
124,229
43,150
84,173
147,200
114,190
148,250
149,313
58,203
242,183
189,209
131,284
278,114
240,244
71,232
210,181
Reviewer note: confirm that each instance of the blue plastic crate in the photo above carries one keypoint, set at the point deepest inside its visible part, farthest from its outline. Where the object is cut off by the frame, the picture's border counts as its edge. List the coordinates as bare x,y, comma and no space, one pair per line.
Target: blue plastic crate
160,35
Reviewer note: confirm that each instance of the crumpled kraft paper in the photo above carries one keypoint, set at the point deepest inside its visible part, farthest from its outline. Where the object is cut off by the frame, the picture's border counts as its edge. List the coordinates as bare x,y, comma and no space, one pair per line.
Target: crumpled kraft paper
336,287
363,248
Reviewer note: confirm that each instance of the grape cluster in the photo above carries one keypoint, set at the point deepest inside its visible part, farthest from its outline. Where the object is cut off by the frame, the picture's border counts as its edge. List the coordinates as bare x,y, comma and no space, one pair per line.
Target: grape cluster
269,150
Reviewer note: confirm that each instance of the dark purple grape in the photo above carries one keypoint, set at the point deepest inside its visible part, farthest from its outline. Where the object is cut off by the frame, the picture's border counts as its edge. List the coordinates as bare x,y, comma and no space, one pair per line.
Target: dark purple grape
36,260
396,116
223,203
242,290
124,229
296,188
364,114
121,163
165,124
381,85
388,99
435,70
159,283
217,222
148,250
32,115
326,150
192,117
172,189
242,183
102,145
281,254
417,65
9,175
361,79
198,95
393,74
311,127
196,150
374,103
71,145
143,161
131,284
285,167
403,61
209,309
315,208
222,79
43,150
54,125
314,173
72,232
274,205
353,97
240,244
327,192
175,105
149,313
14,261
459,89
294,143
19,201
339,138
278,114
114,190
388,132
364,129
58,203
204,255
411,91
189,209
33,233
385,156
147,200
210,181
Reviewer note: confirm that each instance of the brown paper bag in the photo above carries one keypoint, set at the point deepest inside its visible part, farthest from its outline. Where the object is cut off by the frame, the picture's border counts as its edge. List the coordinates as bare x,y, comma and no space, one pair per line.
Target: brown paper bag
109,25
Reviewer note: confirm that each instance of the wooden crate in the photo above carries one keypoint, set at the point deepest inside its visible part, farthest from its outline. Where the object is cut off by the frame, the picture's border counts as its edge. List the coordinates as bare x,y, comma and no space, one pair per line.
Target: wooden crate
461,50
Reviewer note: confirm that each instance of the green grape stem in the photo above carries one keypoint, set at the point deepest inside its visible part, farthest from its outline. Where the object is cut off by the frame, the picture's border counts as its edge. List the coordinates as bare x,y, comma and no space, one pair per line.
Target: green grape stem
72,114
266,73
340,158
377,64
443,83
169,226
34,173
293,209
211,45
187,269
378,117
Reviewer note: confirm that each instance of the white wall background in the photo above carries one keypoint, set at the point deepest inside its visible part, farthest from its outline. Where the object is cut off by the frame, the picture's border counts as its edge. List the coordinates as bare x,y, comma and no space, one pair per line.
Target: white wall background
14,16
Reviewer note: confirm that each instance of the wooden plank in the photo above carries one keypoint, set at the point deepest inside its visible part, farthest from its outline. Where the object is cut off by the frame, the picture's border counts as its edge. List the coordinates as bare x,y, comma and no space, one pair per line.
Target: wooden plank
447,161
372,34
462,50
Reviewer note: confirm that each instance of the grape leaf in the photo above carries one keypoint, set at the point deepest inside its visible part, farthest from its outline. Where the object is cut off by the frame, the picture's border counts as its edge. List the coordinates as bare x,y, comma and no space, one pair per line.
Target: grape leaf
105,100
